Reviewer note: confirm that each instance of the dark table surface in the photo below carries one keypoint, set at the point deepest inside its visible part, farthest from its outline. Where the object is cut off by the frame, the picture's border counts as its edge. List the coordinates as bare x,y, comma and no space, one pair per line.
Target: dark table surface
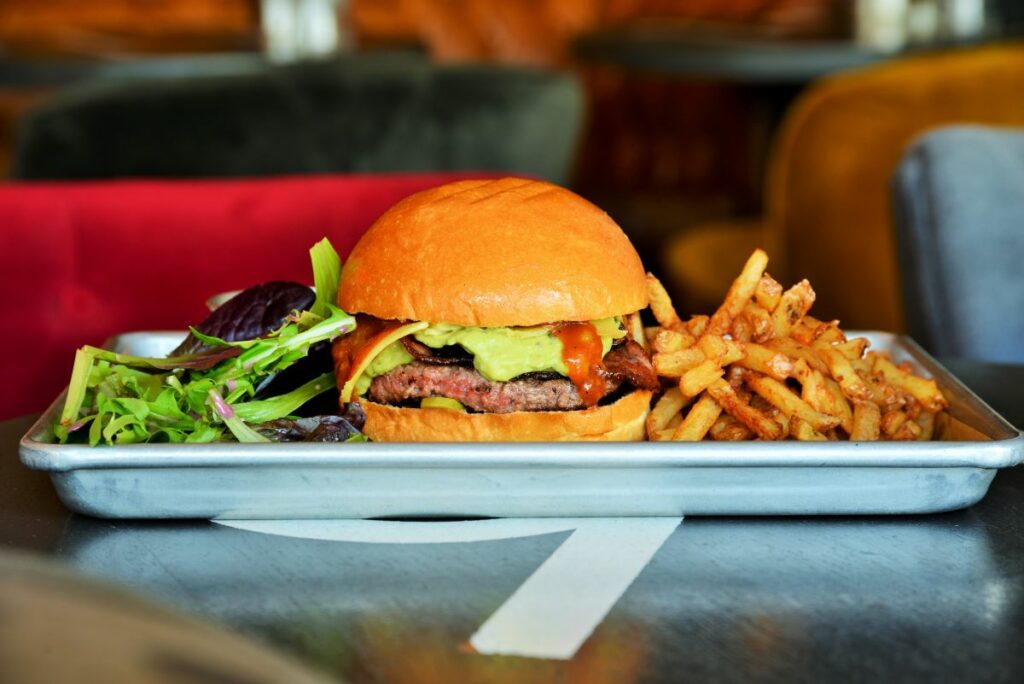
914,598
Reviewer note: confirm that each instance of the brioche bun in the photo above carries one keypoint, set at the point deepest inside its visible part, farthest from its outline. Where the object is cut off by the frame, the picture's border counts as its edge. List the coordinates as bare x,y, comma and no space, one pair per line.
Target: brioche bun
493,253
621,421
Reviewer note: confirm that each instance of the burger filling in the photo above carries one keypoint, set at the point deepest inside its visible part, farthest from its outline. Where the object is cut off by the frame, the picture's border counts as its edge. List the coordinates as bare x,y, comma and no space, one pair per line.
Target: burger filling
497,370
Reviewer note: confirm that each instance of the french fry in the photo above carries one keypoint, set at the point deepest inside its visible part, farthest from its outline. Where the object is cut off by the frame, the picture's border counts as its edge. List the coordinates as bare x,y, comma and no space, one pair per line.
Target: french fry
795,350
667,341
767,293
668,406
827,330
840,406
926,392
783,398
803,431
809,330
697,325
635,330
760,320
728,429
867,420
698,421
794,303
698,378
763,368
821,396
760,424
892,421
927,422
721,350
910,431
839,368
888,397
767,361
741,330
739,293
851,349
661,304
674,364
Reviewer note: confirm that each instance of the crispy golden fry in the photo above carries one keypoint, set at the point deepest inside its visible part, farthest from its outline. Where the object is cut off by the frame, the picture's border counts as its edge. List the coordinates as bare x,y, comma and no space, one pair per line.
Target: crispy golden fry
767,293
822,396
698,421
926,392
674,364
893,421
804,333
766,361
635,330
910,431
888,397
721,350
736,364
853,349
760,424
667,341
794,304
867,420
741,330
739,293
698,378
840,406
795,350
667,407
783,398
830,332
697,325
728,429
661,304
839,367
802,430
760,320
809,330
927,422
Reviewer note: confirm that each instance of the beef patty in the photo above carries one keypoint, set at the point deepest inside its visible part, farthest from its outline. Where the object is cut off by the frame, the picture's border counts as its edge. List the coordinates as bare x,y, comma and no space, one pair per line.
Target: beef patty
530,392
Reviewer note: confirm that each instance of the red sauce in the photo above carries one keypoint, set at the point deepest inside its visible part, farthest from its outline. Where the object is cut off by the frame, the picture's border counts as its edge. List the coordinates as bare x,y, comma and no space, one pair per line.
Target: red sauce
350,350
582,353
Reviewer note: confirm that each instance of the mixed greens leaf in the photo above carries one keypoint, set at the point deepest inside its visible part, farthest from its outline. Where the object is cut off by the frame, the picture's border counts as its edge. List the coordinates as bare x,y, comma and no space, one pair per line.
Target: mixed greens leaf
213,386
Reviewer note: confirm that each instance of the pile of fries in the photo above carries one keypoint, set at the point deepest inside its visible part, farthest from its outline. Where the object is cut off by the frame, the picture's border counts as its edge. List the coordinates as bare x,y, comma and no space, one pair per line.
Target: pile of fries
762,368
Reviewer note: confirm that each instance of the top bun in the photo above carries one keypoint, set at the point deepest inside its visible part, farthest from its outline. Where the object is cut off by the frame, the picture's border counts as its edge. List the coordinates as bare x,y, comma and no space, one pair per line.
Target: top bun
492,253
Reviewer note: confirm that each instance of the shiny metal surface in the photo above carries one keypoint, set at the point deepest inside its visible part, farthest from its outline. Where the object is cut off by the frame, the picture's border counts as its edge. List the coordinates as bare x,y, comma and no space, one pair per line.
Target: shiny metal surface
523,480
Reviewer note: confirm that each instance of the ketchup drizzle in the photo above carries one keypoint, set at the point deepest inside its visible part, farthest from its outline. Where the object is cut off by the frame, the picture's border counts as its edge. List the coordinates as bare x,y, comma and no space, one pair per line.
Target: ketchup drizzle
582,352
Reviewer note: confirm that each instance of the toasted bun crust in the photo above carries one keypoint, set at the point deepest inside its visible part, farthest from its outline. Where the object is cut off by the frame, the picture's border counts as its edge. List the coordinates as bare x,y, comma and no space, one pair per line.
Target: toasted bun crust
622,421
509,252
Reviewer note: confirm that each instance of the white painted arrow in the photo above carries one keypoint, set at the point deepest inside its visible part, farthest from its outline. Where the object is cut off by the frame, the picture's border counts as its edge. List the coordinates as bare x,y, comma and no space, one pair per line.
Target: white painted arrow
554,611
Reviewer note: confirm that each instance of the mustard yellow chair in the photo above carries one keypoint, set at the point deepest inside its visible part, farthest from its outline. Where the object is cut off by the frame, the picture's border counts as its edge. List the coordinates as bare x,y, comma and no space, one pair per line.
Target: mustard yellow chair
827,197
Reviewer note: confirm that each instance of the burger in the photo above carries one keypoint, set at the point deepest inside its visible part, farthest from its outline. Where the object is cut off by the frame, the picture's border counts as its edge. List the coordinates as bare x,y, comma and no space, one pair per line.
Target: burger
495,310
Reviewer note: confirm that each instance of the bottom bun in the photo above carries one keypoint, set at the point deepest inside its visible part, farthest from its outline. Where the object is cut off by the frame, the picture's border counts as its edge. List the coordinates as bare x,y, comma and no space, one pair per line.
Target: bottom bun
621,421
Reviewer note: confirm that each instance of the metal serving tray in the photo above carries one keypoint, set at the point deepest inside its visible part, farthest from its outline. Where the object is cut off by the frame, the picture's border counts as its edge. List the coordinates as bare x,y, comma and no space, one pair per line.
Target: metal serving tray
541,479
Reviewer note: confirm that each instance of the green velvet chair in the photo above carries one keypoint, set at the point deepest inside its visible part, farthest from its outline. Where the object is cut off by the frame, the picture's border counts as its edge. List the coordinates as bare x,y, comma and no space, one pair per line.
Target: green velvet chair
357,114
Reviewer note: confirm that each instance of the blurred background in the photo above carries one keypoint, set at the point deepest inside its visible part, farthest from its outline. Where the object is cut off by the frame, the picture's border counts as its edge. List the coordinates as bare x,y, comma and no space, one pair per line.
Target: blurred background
704,127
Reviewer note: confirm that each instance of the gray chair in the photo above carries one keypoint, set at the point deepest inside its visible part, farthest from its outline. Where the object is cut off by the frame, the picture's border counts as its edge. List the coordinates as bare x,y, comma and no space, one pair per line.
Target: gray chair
959,204
358,114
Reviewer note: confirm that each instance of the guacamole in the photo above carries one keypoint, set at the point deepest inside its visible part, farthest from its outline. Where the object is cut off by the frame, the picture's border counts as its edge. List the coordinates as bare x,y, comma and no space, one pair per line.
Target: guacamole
499,354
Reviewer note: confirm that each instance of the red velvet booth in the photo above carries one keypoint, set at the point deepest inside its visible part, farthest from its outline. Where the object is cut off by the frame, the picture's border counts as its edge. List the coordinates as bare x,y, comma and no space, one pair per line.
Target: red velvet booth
83,261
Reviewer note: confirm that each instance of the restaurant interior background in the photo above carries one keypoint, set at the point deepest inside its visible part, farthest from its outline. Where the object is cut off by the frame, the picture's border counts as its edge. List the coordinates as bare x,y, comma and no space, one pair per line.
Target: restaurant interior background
704,127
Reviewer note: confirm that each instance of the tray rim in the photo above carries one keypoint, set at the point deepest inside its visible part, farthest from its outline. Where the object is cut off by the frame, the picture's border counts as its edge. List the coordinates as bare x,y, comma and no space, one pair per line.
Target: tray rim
987,454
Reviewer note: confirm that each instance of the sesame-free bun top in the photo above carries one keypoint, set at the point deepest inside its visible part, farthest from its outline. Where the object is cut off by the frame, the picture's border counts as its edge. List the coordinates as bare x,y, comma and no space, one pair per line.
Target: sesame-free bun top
508,252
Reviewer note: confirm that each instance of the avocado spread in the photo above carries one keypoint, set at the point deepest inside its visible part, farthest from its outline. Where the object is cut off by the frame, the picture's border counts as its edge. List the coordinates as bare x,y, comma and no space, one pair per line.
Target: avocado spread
499,354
